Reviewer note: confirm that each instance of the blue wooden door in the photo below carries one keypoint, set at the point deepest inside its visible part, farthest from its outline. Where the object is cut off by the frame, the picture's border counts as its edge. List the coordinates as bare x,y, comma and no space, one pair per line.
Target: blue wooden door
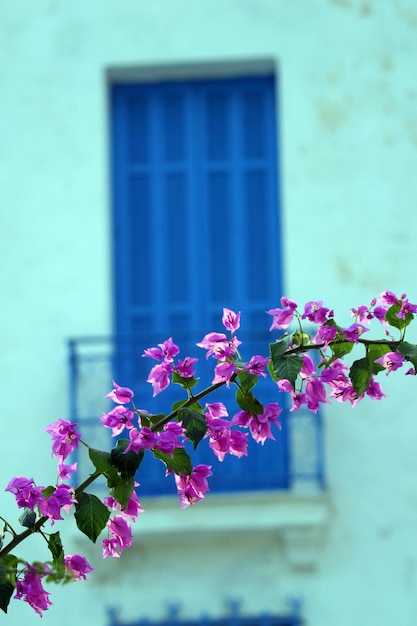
196,228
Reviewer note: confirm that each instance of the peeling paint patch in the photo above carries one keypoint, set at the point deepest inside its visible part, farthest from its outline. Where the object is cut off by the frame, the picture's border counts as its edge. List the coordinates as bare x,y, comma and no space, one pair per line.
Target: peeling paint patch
343,269
341,3
332,115
411,130
366,9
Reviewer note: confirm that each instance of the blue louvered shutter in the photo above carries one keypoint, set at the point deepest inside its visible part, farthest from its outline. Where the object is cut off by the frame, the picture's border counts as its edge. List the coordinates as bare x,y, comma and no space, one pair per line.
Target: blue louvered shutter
196,228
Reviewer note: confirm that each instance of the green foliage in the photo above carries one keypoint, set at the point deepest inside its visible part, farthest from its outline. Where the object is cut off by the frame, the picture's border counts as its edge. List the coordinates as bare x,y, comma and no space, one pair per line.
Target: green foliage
247,380
409,352
91,515
28,518
195,424
127,463
57,550
180,462
284,366
8,565
247,402
397,322
360,375
375,351
121,487
185,382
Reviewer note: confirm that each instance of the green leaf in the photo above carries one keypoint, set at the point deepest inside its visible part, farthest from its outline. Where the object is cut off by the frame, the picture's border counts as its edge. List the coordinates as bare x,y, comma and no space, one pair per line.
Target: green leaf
48,491
186,382
409,352
397,322
101,461
8,566
286,367
280,346
339,350
247,402
126,463
247,380
151,420
57,550
195,424
91,515
120,487
28,518
375,351
360,375
180,462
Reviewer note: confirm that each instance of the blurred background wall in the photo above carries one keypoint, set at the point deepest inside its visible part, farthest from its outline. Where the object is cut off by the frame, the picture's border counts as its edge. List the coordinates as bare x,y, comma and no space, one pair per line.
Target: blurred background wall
346,112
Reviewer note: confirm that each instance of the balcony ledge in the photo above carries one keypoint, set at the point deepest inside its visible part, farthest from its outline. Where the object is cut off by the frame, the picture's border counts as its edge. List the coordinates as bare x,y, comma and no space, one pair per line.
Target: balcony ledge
299,520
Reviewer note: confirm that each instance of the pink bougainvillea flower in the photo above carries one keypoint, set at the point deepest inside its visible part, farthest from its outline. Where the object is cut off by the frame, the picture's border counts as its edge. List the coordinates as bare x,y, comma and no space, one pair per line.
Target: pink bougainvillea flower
391,361
62,498
308,368
325,334
121,530
223,440
165,351
218,345
111,547
388,297
362,314
25,492
298,398
64,437
315,394
30,590
159,376
260,425
354,332
257,365
231,320
374,390
78,566
316,312
143,438
170,438
185,367
133,508
223,372
342,389
282,317
193,487
120,395
406,309
216,409
119,418
65,471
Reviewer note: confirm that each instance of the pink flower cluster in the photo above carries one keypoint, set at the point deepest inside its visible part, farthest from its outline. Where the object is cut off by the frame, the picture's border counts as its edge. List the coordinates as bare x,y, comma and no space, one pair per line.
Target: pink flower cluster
328,377
309,382
65,439
160,374
119,527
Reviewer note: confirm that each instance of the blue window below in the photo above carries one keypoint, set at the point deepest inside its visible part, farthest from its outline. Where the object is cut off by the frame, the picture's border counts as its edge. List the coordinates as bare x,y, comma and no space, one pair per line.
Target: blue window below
290,618
196,227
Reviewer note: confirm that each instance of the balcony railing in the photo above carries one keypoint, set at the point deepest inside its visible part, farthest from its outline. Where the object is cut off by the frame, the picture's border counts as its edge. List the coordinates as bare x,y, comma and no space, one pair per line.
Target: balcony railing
295,458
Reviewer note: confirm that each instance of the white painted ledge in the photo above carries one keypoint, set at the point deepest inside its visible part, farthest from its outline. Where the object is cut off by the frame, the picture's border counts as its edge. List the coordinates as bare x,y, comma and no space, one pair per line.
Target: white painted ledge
300,520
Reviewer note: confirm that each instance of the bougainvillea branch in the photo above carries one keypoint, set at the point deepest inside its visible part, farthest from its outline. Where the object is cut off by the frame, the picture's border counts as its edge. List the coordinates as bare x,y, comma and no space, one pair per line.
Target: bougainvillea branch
312,367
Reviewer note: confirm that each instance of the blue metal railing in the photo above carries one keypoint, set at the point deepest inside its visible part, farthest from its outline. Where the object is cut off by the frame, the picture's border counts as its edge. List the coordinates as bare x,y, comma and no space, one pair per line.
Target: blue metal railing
296,456
234,618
